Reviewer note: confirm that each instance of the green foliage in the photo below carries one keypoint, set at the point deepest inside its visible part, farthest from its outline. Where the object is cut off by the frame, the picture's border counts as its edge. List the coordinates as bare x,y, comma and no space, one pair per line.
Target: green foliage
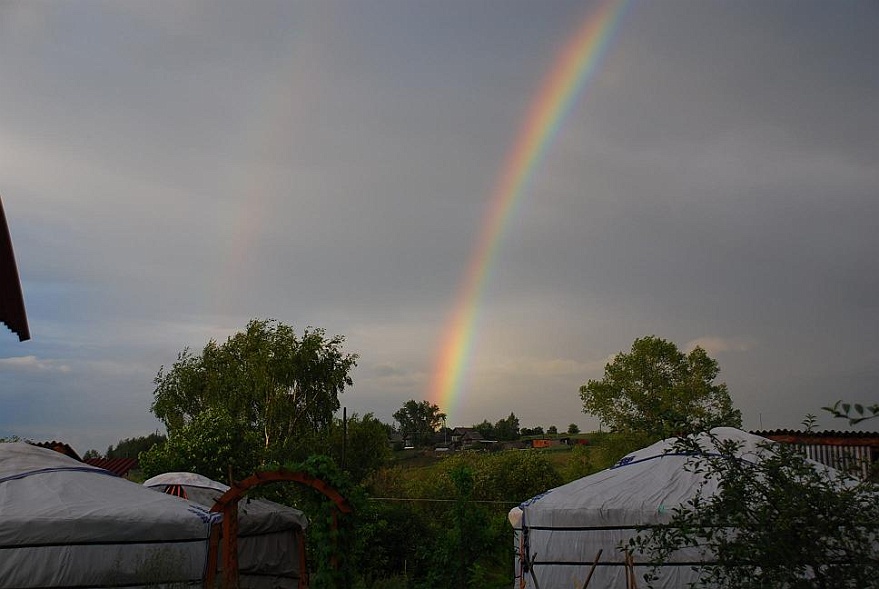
209,444
661,391
450,525
468,547
855,413
486,430
512,476
552,430
809,422
516,475
266,379
332,535
573,429
778,522
579,463
331,551
507,429
609,447
419,421
367,447
389,535
132,447
604,450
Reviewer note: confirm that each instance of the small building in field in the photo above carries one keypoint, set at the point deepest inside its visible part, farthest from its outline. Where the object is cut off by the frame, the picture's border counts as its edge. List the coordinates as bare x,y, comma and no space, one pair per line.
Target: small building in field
466,438
545,442
569,440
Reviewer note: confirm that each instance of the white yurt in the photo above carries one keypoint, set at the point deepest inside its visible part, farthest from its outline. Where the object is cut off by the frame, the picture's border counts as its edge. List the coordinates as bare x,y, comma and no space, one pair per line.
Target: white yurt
271,549
66,524
559,533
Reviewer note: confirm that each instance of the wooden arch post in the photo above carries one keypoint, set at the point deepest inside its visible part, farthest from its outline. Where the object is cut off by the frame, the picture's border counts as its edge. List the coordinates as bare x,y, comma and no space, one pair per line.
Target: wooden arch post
227,504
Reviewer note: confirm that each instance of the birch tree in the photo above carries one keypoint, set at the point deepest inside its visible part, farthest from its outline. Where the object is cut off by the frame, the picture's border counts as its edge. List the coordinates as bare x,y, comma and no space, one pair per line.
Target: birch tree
266,378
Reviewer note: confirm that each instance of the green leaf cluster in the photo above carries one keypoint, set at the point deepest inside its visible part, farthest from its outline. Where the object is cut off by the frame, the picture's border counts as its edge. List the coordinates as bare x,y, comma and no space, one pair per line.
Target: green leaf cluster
855,413
780,521
419,421
659,390
332,535
265,380
212,444
132,447
449,521
366,449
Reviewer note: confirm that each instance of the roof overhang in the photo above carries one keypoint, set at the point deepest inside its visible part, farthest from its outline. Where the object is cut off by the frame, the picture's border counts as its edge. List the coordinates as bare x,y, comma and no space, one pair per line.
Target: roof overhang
12,311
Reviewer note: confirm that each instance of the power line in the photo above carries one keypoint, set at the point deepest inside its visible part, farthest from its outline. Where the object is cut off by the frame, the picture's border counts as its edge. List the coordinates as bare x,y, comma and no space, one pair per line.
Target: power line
425,500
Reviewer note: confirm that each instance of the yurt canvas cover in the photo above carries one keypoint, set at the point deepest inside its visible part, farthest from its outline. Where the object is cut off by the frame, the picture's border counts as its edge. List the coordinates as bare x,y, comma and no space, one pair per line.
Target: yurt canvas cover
270,538
66,524
562,530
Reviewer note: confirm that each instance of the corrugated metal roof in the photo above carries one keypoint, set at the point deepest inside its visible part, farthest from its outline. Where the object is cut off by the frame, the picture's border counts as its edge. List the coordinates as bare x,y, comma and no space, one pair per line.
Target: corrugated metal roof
822,434
848,451
118,466
60,447
823,437
12,311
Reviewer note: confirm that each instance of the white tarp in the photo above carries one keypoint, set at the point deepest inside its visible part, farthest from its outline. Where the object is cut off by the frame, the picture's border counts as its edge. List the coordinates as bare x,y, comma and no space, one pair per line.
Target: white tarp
563,529
66,524
269,534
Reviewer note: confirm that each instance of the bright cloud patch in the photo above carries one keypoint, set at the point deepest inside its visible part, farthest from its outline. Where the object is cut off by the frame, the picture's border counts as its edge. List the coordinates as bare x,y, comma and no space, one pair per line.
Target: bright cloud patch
33,364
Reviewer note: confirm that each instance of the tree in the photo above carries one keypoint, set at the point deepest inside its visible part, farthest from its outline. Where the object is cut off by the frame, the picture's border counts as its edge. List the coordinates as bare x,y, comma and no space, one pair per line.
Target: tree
573,429
419,421
265,379
507,429
777,521
658,390
210,444
366,449
132,447
552,430
486,430
90,454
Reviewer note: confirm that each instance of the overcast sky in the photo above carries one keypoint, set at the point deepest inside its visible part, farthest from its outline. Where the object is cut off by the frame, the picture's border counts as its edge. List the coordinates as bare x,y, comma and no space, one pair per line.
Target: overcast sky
172,169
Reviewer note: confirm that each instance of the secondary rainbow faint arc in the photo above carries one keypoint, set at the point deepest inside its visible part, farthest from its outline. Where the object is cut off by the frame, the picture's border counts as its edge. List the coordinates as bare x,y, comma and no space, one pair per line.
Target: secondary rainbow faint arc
575,67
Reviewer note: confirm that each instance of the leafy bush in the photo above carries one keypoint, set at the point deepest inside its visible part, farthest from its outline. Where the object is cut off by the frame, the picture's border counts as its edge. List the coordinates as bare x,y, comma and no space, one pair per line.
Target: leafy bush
780,521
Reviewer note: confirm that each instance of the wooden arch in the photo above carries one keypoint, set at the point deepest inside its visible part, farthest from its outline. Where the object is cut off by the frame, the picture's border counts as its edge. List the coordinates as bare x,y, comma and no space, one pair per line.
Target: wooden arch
227,504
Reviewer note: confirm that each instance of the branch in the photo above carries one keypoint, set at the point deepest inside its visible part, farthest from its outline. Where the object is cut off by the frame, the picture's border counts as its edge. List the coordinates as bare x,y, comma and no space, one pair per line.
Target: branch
854,412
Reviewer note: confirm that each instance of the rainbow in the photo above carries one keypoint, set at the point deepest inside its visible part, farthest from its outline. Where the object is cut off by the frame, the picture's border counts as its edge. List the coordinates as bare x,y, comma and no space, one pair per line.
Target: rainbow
576,65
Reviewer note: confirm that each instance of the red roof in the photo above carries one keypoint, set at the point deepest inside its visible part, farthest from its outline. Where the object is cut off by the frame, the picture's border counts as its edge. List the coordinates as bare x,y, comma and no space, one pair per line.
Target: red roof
827,437
60,447
118,466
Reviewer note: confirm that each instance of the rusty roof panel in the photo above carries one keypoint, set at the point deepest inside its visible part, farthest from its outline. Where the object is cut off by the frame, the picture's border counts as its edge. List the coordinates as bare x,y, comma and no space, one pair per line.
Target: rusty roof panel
826,437
60,447
118,466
